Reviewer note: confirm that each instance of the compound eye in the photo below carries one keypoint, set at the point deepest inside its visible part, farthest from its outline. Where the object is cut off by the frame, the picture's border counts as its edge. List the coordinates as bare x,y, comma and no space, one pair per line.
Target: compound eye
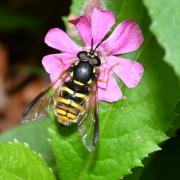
95,61
82,55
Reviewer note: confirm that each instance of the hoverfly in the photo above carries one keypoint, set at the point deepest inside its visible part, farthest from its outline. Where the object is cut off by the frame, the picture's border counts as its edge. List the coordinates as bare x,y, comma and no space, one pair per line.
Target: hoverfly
74,98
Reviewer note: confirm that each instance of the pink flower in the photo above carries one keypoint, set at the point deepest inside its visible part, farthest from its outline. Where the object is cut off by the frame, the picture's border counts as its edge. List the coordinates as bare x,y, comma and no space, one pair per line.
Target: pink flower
126,37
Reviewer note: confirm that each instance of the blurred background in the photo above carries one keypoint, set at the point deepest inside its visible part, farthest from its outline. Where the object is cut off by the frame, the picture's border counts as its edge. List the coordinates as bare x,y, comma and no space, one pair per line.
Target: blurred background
23,25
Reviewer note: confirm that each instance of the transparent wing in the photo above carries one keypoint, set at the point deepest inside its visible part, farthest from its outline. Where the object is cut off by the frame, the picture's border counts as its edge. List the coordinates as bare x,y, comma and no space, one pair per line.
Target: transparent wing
41,104
88,124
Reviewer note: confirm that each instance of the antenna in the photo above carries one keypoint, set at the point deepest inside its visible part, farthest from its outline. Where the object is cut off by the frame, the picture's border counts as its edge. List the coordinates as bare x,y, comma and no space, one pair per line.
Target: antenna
91,51
99,43
92,42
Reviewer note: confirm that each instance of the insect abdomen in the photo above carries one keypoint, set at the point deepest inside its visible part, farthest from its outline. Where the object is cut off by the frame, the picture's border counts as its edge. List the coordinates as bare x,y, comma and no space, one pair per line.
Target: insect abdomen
69,105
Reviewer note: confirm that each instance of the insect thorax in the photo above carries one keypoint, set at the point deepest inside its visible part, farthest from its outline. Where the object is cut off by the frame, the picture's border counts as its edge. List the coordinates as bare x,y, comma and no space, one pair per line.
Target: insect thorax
83,72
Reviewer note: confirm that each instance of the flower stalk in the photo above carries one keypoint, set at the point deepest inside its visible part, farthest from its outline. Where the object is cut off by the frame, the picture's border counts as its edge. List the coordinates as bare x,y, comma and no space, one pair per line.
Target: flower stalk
90,5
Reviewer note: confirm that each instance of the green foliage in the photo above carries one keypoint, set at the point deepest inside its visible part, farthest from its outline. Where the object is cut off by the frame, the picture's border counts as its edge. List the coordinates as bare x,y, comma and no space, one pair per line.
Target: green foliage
77,7
165,25
35,134
18,161
130,129
163,165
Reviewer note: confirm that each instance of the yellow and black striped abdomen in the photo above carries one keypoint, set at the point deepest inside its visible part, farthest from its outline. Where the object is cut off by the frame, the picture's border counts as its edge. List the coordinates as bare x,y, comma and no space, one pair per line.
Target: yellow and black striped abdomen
70,104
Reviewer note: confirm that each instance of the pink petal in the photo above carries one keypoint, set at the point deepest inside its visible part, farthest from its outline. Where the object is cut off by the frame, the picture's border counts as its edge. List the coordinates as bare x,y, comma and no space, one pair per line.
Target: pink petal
101,23
83,25
112,93
106,71
55,64
58,39
103,76
126,37
128,71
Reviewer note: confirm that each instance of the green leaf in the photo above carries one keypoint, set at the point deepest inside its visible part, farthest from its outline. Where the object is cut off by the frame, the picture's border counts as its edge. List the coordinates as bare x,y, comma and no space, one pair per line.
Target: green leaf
130,129
165,25
35,135
18,161
162,165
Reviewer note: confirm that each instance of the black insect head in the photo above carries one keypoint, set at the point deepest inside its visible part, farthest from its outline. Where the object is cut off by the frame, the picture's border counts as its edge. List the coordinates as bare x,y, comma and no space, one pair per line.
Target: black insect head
91,56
